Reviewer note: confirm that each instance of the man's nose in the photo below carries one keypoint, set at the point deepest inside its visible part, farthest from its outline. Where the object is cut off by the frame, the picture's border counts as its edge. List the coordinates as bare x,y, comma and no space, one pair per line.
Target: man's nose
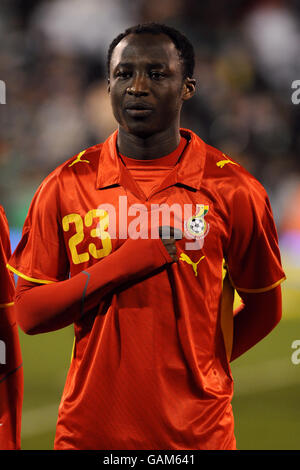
139,86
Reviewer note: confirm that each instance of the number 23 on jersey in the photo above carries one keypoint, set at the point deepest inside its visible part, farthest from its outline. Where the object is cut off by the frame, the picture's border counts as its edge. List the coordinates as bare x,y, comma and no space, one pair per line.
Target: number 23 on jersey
100,232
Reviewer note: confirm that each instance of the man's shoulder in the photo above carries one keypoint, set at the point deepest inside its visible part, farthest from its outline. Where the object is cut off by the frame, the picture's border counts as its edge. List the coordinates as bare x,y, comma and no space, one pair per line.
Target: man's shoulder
219,163
84,162
3,222
85,159
80,167
228,171
2,213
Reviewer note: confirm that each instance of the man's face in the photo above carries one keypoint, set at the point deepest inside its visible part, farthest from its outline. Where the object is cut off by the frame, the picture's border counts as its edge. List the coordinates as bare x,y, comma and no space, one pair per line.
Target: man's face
146,84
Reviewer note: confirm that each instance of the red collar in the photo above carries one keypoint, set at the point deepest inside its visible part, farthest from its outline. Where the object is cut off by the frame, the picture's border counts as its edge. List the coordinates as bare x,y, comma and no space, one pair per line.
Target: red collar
188,171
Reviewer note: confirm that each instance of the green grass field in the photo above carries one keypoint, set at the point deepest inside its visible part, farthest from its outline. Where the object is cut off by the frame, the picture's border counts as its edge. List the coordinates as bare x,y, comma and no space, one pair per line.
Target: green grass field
267,384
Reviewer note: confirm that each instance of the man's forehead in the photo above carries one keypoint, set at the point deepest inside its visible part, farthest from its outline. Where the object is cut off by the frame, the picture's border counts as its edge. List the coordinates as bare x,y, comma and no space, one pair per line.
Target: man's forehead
154,48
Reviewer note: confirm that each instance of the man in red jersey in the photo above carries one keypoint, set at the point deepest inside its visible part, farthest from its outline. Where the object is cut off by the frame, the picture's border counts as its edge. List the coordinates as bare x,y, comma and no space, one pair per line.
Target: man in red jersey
152,313
11,372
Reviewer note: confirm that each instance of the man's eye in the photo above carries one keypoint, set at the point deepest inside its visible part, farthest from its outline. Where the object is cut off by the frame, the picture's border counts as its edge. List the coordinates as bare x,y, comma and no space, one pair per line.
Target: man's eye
156,75
123,74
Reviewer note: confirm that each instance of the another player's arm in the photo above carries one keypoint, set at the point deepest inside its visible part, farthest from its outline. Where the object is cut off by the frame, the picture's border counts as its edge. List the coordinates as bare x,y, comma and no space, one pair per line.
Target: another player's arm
41,308
258,314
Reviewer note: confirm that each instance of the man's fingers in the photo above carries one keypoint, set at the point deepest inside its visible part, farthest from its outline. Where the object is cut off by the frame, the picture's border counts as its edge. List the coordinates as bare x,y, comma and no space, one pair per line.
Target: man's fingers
169,241
168,236
166,233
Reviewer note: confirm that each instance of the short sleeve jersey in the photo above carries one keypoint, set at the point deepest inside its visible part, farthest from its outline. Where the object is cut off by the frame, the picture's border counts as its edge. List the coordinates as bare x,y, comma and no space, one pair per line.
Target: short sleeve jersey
11,373
150,368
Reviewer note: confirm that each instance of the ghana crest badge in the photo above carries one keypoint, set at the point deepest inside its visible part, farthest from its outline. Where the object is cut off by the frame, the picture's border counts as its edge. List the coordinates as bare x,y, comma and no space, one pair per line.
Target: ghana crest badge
196,226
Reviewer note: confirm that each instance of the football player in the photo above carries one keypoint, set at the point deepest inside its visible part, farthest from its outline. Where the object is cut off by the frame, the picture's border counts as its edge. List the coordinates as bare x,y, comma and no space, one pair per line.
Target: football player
153,317
11,371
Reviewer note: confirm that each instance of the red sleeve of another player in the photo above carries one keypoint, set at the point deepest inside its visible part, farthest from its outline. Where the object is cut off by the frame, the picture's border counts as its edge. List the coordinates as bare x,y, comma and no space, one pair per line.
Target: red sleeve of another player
7,288
253,256
41,256
11,373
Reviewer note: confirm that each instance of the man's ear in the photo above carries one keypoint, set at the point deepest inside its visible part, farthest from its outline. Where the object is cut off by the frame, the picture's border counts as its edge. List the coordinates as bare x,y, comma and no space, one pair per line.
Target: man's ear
108,85
189,88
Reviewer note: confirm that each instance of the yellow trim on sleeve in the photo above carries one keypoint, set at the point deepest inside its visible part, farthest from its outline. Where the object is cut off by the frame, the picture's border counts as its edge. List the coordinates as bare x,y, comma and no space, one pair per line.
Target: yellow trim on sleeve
8,304
27,278
73,348
227,315
263,289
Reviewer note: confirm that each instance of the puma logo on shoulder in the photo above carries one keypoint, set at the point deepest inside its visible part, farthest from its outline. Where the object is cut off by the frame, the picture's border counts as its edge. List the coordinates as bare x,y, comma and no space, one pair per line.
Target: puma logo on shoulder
222,163
78,159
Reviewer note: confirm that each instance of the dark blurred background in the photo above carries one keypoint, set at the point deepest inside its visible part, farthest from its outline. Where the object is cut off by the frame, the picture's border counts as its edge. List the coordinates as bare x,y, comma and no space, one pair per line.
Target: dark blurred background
53,62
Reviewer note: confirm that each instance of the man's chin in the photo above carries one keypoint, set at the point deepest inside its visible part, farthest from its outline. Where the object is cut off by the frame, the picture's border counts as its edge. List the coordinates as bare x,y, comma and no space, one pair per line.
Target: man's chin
141,130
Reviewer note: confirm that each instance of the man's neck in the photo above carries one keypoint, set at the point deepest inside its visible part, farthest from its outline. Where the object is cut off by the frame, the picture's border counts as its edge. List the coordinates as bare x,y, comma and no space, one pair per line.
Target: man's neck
155,146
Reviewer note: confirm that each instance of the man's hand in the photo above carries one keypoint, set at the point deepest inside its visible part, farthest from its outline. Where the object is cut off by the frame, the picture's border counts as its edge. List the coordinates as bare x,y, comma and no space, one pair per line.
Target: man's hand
168,236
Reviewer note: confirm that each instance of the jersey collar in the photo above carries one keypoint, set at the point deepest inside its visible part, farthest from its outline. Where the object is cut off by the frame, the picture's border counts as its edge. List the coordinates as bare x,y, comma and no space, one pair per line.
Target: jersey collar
187,172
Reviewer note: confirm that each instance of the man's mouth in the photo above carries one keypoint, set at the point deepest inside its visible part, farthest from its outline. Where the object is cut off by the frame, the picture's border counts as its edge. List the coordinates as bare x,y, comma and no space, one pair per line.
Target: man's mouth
138,109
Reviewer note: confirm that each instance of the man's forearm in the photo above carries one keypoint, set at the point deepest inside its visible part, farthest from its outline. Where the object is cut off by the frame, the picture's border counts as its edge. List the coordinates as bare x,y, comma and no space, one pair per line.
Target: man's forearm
49,307
258,315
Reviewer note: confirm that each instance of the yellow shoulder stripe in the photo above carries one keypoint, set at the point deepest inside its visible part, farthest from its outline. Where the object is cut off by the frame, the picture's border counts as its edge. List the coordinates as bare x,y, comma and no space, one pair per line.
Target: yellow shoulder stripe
27,278
8,304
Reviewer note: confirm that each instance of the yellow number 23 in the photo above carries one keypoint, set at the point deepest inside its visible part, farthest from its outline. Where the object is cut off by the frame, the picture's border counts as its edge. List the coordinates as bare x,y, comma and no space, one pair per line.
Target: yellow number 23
99,232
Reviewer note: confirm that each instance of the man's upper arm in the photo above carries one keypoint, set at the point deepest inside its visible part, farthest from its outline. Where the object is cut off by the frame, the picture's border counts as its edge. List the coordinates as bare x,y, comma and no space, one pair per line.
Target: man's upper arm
253,256
41,255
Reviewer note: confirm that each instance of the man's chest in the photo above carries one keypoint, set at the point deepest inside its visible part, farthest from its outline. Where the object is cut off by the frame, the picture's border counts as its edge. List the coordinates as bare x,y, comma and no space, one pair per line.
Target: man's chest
94,223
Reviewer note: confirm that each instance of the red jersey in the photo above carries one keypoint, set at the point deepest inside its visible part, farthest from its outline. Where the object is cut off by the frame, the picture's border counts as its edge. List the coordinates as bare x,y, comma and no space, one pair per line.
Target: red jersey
11,372
150,368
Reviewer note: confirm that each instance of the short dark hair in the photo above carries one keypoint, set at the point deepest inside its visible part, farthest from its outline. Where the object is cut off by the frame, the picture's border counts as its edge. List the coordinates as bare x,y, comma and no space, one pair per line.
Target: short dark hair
182,44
